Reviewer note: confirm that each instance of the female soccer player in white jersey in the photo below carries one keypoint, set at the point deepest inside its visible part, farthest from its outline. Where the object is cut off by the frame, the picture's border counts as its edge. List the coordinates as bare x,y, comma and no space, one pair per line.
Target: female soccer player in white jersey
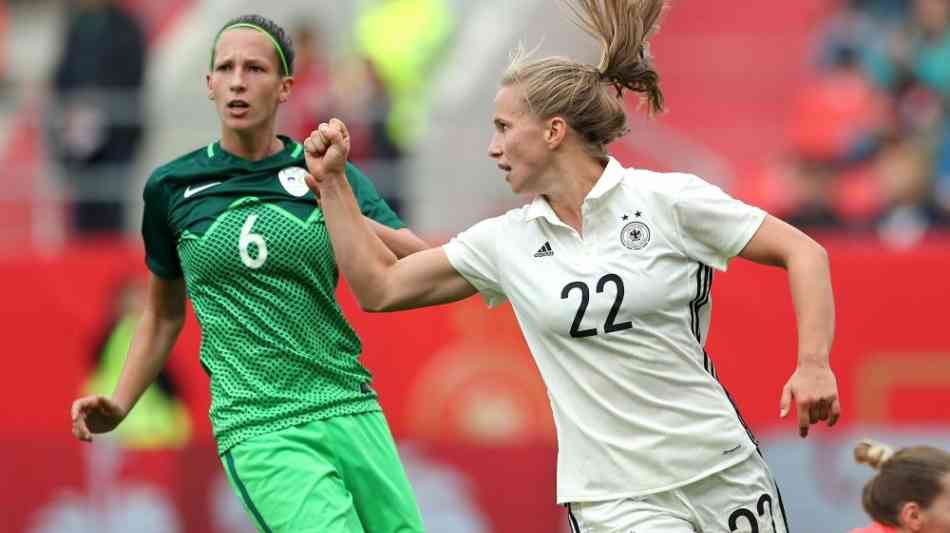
608,271
299,428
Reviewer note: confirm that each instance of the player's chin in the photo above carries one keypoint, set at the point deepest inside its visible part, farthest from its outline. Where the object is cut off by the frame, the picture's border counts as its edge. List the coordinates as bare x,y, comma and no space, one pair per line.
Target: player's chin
241,124
514,183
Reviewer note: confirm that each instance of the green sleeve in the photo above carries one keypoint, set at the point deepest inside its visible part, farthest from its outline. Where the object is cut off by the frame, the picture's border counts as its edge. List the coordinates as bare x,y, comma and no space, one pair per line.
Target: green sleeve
161,254
370,203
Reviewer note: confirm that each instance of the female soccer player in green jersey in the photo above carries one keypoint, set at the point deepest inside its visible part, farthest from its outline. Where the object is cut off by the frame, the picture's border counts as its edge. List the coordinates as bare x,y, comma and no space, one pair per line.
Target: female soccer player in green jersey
299,429
608,271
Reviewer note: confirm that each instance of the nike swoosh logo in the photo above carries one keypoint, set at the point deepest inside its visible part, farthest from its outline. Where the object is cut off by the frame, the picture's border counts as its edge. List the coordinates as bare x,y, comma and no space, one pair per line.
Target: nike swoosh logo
189,192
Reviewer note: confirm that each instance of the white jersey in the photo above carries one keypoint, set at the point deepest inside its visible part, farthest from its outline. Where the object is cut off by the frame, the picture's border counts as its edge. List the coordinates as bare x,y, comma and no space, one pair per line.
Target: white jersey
616,320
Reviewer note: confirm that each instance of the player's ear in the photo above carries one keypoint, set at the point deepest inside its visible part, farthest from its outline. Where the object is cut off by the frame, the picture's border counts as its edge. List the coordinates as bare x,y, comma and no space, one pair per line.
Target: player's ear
910,516
286,86
210,89
555,130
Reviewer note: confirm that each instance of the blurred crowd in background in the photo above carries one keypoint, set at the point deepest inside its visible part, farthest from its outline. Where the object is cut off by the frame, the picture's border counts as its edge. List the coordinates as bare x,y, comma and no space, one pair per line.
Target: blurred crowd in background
868,137
95,121
375,86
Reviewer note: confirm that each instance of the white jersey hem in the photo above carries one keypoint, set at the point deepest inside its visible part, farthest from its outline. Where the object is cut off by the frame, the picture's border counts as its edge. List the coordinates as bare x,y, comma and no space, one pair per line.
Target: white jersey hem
561,500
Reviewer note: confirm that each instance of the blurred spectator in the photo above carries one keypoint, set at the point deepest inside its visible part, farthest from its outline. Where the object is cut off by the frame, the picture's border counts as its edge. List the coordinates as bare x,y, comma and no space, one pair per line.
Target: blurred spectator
160,418
96,120
404,39
353,91
882,9
364,103
943,168
920,51
870,137
851,30
810,186
838,122
311,100
904,171
841,116
4,65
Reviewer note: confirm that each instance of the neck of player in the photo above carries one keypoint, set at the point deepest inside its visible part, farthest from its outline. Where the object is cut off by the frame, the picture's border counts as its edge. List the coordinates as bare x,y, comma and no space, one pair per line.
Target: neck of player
574,176
252,145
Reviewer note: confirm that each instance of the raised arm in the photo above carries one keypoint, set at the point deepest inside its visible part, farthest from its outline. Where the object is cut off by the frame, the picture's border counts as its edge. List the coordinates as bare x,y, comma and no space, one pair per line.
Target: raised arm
380,281
401,242
813,386
154,338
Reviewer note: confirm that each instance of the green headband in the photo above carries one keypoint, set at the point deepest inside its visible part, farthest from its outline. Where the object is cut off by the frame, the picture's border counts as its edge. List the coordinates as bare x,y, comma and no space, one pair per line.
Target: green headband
280,51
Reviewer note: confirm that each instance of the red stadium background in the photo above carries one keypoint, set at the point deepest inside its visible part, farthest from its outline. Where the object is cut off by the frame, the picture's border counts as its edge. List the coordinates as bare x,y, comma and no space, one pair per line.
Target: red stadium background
457,384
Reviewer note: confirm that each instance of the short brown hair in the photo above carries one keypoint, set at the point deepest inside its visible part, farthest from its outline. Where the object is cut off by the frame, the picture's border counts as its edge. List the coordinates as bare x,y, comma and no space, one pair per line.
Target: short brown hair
588,96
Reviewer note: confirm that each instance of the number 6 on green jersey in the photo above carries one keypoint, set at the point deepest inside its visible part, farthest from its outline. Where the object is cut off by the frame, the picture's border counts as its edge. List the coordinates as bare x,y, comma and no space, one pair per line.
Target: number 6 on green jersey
247,239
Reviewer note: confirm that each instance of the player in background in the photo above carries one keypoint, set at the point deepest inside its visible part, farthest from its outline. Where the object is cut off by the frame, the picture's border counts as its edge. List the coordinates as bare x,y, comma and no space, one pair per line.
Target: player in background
608,271
910,492
298,427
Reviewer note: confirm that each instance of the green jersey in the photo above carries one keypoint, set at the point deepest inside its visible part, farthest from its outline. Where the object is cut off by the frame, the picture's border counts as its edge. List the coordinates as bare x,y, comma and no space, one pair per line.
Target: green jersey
253,248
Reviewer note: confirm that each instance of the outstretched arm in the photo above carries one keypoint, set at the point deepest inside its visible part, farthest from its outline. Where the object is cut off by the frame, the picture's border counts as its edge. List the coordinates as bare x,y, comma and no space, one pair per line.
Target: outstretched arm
812,387
380,281
157,331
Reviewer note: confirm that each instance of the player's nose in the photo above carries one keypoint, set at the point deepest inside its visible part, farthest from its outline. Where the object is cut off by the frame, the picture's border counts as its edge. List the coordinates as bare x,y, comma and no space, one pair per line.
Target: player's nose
494,148
236,83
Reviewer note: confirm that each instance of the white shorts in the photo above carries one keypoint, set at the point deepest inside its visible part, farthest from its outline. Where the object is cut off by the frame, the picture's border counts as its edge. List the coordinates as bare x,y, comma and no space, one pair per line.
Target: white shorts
741,499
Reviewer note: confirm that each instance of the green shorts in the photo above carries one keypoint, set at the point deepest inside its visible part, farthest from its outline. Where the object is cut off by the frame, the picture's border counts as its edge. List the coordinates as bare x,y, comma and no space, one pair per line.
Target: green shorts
339,475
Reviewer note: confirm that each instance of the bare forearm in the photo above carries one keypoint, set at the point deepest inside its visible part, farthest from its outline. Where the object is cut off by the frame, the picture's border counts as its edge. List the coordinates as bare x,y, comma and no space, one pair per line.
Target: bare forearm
400,242
778,244
360,254
425,278
150,347
810,282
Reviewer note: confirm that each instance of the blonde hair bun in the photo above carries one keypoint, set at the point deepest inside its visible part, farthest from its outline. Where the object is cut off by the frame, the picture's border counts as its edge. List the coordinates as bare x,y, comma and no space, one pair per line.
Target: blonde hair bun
872,453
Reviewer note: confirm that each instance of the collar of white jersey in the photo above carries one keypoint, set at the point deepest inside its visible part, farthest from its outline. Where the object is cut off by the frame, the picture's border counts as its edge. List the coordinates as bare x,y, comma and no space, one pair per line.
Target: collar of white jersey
608,181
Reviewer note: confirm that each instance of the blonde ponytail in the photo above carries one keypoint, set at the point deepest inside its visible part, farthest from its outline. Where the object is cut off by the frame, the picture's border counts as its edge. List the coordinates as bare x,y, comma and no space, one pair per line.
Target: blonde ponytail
588,96
624,28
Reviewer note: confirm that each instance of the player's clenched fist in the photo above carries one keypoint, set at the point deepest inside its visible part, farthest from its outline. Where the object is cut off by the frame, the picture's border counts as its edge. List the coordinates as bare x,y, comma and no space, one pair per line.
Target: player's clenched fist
95,414
326,151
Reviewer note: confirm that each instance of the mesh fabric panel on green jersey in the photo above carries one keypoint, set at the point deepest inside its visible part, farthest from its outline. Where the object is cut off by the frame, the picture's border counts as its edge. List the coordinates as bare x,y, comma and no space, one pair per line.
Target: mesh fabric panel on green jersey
261,275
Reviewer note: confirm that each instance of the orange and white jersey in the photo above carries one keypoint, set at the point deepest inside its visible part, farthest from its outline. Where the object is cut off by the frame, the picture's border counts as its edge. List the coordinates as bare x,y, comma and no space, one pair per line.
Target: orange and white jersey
616,320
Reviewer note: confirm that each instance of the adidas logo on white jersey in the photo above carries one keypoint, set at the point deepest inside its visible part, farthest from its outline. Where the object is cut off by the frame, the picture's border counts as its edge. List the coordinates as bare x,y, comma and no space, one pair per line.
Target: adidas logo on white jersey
545,251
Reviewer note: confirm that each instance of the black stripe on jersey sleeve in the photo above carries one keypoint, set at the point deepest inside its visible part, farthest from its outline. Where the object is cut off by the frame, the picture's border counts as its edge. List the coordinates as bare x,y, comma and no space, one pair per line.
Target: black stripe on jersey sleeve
703,287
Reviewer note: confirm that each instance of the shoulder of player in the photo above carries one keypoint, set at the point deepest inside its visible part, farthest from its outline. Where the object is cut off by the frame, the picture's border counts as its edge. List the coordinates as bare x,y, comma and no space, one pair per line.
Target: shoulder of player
179,166
499,225
516,222
517,216
665,186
